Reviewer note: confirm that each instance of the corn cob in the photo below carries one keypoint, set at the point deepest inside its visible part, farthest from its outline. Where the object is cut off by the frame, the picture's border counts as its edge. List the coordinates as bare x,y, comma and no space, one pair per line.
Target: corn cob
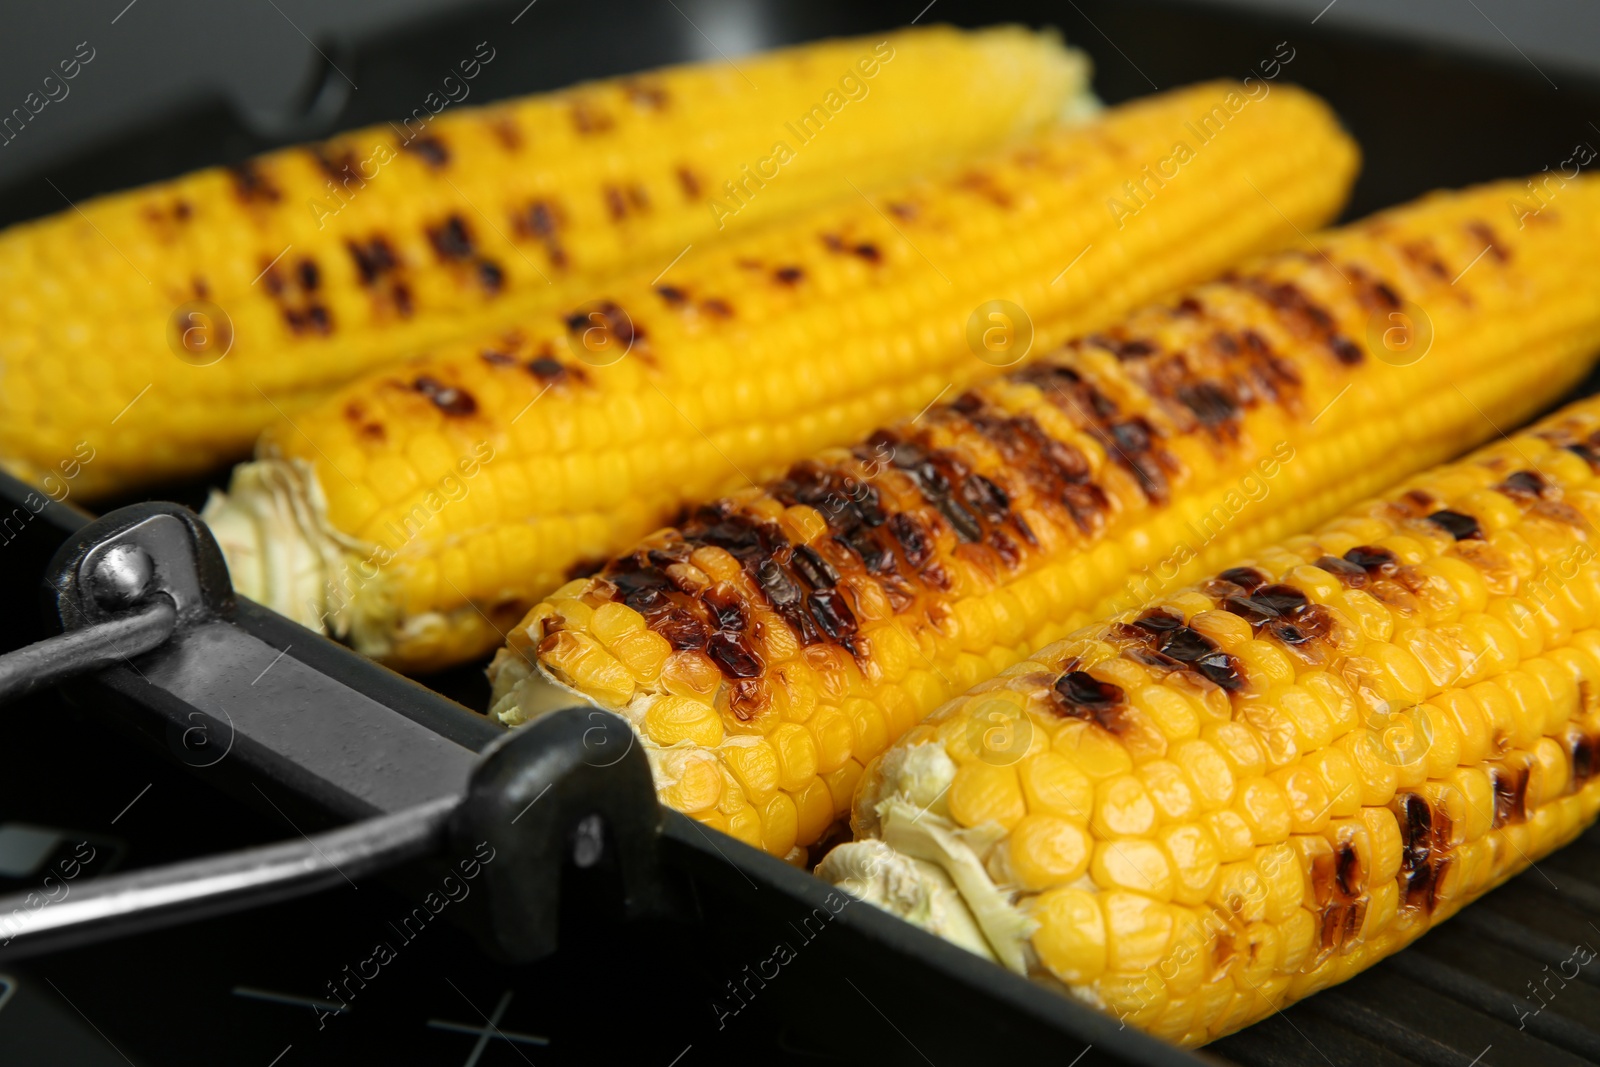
1203,810
778,640
311,265
760,351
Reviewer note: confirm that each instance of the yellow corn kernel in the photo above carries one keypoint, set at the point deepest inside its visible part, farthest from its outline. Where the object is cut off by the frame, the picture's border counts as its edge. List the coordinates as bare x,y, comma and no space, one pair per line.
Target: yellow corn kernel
1138,930
1206,772
1052,785
1234,837
1194,856
796,751
754,764
834,737
676,719
1046,851
1123,808
698,786
1164,781
984,792
1265,809
779,824
1071,937
814,810
1132,864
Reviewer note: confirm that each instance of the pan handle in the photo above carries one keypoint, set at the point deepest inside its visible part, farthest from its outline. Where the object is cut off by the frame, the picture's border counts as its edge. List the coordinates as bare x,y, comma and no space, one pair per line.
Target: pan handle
214,885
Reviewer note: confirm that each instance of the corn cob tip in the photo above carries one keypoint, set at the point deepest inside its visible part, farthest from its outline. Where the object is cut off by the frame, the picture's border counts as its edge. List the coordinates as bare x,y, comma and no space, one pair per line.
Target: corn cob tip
916,890
281,549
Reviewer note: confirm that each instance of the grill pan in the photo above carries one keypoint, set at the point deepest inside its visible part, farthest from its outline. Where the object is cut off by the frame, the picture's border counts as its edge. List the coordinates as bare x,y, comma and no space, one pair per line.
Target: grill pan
586,863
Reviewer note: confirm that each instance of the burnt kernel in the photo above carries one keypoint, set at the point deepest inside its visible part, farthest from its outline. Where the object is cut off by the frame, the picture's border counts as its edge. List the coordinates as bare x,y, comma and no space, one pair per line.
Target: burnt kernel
1510,794
251,185
674,296
1588,454
874,557
716,307
817,572
688,182
1133,436
1222,669
400,293
616,206
1347,871
1348,573
780,590
1280,599
1210,403
1423,887
1482,232
868,251
961,520
1416,831
1079,695
681,629
490,276
738,535
615,321
734,655
913,540
318,319
447,398
1423,254
1415,502
541,219
902,211
589,119
1257,344
1135,349
1191,307
647,95
828,607
639,588
429,148
1458,525
1373,560
1584,751
1087,504
1246,578
506,132
1186,644
1313,623
1159,621
869,502
308,274
373,257
1524,484
547,368
1345,350
789,275
987,498
667,555
450,239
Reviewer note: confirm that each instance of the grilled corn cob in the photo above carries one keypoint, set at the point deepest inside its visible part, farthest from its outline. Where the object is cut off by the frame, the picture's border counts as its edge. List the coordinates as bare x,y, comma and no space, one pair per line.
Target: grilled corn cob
777,640
1204,810
311,265
742,359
